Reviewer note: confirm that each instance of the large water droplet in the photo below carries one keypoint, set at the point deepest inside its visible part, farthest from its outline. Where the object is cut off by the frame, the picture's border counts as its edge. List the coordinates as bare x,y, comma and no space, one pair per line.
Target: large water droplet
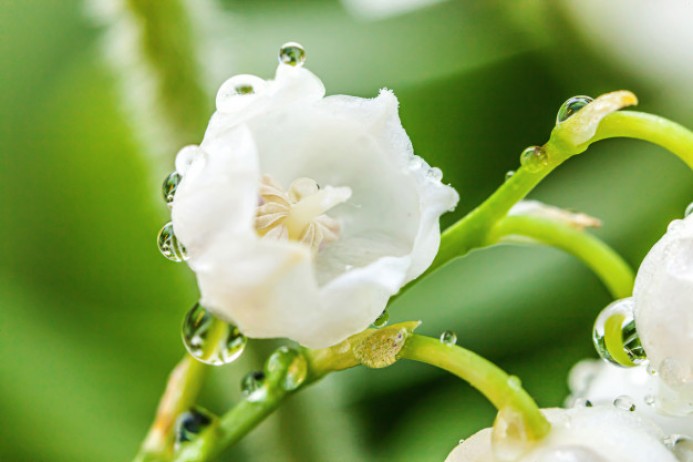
689,210
169,245
191,423
571,106
232,94
185,158
681,446
534,158
615,337
292,54
448,337
253,386
625,402
169,187
382,320
211,340
289,366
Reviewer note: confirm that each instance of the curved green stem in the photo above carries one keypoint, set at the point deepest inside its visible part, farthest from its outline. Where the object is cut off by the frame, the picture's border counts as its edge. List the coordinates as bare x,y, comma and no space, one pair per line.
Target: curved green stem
500,388
614,272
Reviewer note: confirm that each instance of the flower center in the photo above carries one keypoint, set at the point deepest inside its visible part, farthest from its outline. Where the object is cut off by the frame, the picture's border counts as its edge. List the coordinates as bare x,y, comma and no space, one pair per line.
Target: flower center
300,213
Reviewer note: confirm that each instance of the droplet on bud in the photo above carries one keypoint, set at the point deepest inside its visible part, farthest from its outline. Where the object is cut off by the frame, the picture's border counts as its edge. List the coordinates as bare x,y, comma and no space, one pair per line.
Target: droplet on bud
288,366
169,245
232,93
292,54
615,337
211,340
185,158
448,337
571,106
252,385
534,158
625,402
191,423
382,320
169,187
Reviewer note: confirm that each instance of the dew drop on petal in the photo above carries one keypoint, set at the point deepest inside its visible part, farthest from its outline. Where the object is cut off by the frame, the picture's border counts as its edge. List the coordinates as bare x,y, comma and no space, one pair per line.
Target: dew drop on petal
382,320
448,337
232,93
625,402
289,366
252,386
509,174
534,158
571,106
620,314
185,157
582,402
191,423
292,54
674,226
169,187
689,210
169,245
211,340
649,400
435,174
681,446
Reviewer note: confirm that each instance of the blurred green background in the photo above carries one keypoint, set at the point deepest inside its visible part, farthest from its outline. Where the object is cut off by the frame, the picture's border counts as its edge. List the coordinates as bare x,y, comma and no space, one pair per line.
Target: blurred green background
90,312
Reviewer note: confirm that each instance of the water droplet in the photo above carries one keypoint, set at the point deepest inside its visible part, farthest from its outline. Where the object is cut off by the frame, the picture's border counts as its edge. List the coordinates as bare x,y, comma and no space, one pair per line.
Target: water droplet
416,163
435,174
211,340
651,369
582,402
382,320
169,187
292,54
291,366
191,423
674,226
169,245
448,337
571,106
616,320
625,402
185,158
232,94
252,385
689,210
534,158
649,400
509,174
681,446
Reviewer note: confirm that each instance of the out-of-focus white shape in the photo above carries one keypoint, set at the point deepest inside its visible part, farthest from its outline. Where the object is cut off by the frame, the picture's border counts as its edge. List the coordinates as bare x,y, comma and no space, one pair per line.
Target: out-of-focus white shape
381,9
587,434
652,39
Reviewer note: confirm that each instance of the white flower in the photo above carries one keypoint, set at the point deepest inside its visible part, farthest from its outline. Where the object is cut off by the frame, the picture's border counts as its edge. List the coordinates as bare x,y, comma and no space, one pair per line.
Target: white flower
597,434
303,214
663,309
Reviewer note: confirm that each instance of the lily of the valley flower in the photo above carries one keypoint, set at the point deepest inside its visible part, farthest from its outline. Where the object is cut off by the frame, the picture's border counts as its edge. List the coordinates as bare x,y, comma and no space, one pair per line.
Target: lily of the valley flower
597,434
663,309
303,214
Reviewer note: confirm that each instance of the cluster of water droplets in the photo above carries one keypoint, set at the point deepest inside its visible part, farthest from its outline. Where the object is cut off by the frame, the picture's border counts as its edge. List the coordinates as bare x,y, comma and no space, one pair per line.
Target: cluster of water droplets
617,319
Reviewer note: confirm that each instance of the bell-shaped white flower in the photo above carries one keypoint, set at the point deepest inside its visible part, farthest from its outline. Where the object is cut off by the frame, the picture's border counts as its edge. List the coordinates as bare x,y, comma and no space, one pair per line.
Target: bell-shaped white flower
663,309
303,214
596,434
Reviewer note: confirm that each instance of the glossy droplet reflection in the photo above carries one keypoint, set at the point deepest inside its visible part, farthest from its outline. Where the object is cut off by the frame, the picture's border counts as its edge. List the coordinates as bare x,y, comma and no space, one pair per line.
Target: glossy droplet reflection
252,385
233,94
509,174
191,423
571,106
382,320
292,54
169,187
289,366
615,337
625,402
681,446
169,245
211,340
448,337
534,158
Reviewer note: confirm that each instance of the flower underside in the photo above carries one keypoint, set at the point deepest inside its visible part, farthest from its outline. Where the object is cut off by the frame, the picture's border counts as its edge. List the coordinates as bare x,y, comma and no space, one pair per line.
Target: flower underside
299,214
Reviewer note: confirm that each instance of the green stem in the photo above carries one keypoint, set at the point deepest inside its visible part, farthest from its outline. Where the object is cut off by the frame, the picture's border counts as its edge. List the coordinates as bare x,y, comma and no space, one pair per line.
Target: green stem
614,272
500,388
